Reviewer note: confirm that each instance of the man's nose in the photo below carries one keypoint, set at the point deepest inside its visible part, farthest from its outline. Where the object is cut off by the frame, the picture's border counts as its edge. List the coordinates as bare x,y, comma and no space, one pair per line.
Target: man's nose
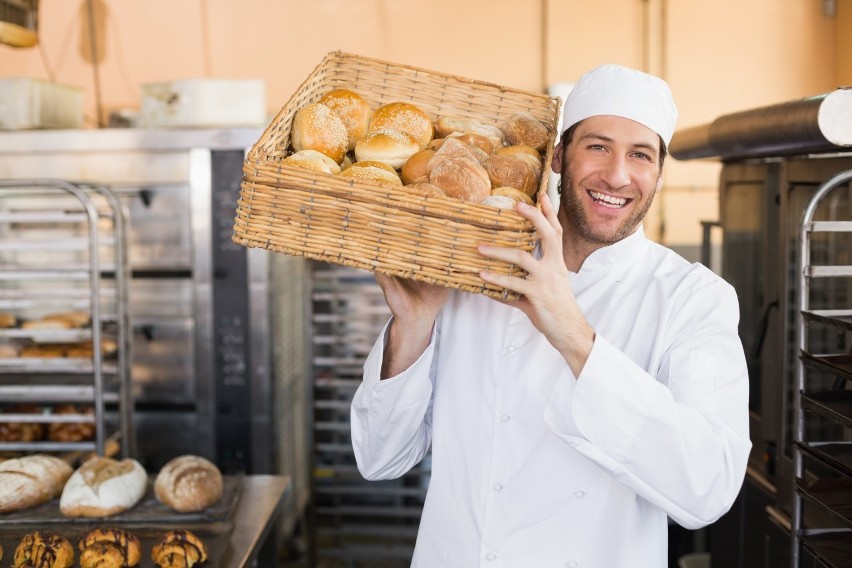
615,172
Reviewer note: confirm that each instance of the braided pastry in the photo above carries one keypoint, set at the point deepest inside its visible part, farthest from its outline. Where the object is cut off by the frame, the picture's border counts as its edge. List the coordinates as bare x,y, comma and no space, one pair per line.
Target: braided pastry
43,551
109,548
179,549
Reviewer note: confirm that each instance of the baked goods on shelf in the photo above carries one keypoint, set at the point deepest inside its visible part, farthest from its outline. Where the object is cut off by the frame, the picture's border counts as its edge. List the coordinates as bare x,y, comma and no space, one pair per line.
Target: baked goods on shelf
188,483
38,550
109,548
61,320
7,321
9,351
103,487
179,549
31,480
71,431
21,431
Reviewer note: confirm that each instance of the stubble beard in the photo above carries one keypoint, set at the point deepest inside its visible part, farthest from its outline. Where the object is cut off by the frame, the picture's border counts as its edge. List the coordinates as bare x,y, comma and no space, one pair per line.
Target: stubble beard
578,221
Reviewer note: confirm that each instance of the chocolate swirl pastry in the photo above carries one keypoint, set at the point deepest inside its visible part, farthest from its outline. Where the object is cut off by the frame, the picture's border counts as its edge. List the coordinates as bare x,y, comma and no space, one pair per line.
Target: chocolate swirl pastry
179,549
109,548
43,551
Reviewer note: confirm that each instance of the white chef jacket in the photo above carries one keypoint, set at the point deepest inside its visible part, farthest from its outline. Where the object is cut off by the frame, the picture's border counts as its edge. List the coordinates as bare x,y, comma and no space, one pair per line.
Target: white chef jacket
532,468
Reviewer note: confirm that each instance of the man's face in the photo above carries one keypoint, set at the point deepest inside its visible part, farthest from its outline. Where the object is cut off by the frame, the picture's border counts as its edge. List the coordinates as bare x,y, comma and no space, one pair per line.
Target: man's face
610,172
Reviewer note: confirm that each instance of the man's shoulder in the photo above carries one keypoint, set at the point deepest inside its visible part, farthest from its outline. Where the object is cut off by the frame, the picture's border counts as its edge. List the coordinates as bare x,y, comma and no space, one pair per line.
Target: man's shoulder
674,268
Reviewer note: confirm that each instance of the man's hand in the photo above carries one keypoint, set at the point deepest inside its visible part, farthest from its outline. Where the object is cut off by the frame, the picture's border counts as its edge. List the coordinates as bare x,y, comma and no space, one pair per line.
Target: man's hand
414,305
546,295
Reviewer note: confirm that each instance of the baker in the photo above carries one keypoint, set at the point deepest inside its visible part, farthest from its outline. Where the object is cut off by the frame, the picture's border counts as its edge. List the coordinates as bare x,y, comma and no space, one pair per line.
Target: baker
566,426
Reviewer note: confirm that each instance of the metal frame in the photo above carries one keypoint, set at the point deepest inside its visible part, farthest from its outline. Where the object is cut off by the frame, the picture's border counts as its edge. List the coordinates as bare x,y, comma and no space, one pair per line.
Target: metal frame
808,272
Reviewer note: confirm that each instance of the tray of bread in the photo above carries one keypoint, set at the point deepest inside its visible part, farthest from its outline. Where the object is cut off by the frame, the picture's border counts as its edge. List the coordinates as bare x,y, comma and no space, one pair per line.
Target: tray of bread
103,544
42,489
401,170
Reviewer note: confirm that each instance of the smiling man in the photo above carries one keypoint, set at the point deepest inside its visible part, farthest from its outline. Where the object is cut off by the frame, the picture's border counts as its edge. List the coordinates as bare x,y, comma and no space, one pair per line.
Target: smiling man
568,425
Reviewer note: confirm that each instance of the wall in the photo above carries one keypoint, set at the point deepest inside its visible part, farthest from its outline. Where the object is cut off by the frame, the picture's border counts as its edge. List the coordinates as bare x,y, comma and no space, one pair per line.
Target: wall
719,56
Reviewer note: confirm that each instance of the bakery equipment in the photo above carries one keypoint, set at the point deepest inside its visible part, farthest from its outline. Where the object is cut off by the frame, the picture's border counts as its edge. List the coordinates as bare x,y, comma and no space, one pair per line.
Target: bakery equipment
218,356
774,161
63,250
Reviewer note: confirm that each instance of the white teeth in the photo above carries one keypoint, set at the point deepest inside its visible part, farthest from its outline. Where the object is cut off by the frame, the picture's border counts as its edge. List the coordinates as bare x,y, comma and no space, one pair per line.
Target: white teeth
608,199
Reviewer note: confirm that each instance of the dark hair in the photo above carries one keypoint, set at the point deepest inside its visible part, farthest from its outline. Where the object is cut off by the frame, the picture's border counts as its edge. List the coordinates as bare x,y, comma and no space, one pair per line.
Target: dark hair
569,134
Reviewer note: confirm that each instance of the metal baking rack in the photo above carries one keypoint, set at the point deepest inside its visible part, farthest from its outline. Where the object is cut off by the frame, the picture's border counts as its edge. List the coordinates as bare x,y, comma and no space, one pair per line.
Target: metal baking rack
63,249
821,520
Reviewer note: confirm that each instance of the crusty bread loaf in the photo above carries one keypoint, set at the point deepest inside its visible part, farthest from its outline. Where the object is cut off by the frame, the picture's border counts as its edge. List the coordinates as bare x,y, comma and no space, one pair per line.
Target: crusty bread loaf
389,146
405,118
524,128
317,127
312,160
31,480
461,178
38,550
103,487
352,109
188,484
511,171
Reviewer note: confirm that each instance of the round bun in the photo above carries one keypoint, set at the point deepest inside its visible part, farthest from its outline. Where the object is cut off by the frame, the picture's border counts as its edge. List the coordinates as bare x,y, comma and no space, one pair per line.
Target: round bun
352,109
103,487
372,173
313,160
188,484
415,169
499,201
462,178
511,171
453,148
524,128
391,147
317,127
425,189
449,125
513,193
476,140
405,118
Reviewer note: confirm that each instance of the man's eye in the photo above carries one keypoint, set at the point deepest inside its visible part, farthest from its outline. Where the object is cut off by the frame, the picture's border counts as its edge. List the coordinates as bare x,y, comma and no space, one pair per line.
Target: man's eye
643,156
596,147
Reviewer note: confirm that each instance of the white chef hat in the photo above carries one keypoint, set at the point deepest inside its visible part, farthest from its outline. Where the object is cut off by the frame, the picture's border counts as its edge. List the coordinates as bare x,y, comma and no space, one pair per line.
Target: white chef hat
618,91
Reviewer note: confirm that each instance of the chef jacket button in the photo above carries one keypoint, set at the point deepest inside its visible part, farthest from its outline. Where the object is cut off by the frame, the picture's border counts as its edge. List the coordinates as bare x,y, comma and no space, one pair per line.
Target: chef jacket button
505,418
498,487
511,349
571,564
491,556
579,494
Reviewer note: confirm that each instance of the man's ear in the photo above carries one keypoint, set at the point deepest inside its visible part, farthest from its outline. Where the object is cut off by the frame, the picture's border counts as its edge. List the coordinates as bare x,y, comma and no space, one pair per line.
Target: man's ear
659,184
556,163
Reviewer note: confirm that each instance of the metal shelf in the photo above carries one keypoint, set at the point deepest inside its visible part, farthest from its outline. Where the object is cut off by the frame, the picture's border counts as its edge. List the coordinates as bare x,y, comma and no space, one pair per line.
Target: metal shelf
840,365
836,455
831,494
838,318
836,405
834,549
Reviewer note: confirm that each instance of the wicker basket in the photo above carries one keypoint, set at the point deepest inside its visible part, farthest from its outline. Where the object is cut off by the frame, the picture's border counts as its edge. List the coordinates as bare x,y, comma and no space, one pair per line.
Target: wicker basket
371,226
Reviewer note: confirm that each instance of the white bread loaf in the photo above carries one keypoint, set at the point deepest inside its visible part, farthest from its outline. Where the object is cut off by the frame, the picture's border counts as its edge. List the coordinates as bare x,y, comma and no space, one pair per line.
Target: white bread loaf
31,480
188,484
103,487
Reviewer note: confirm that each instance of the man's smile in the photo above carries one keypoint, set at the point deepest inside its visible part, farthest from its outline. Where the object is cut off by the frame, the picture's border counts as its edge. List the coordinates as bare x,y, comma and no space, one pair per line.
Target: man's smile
608,200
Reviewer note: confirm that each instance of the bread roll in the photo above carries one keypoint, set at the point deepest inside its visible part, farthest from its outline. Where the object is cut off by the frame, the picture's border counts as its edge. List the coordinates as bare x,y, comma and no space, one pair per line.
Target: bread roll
179,549
499,201
511,171
352,109
109,548
513,193
44,351
188,484
476,140
7,321
312,160
31,480
103,487
48,324
455,125
317,127
518,149
462,178
524,128
425,189
415,169
391,147
404,118
452,148
71,431
9,351
372,173
381,165
21,431
37,550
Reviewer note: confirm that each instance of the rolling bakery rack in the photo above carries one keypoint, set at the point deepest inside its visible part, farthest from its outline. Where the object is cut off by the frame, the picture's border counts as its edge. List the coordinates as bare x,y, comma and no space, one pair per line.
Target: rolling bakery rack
63,250
823,417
